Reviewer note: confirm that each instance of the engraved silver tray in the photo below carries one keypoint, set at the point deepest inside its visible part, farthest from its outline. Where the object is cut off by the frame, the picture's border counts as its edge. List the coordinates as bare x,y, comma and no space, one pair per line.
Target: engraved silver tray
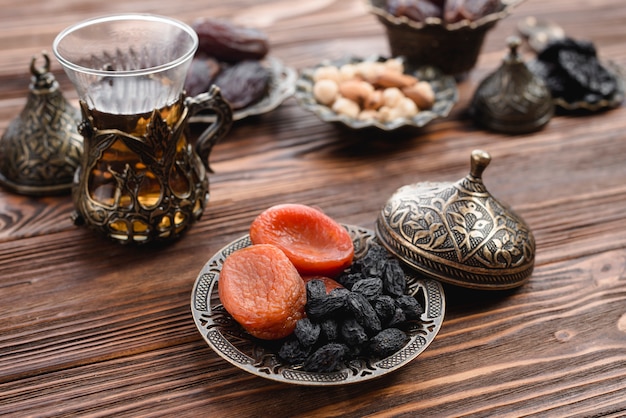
233,344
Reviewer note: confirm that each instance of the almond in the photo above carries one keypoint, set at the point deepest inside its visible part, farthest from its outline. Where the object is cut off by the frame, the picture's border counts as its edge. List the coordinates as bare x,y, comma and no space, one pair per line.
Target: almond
355,90
391,78
421,93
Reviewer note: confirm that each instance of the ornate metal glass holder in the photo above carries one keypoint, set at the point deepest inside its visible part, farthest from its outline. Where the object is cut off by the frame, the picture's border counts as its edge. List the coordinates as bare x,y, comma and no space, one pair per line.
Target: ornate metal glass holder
140,179
150,186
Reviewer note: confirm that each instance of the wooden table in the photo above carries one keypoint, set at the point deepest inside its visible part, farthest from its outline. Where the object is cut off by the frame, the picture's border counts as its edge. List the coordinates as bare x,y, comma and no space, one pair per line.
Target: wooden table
90,327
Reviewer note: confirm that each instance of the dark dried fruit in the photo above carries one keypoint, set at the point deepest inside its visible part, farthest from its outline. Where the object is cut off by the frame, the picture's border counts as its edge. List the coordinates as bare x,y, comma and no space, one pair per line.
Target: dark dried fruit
340,292
387,342
385,307
326,359
353,333
410,306
398,317
457,10
293,352
417,10
307,332
200,76
315,289
244,83
348,280
394,281
373,263
451,11
324,307
228,42
370,288
329,330
363,312
573,72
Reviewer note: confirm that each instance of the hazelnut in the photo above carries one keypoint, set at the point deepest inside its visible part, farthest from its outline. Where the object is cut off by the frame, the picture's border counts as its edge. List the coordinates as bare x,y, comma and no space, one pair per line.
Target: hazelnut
406,108
395,64
368,114
374,101
346,107
392,96
369,70
327,72
325,91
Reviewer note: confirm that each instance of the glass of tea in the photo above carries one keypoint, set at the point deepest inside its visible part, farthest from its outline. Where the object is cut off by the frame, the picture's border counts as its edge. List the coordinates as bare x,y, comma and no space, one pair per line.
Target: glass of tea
140,179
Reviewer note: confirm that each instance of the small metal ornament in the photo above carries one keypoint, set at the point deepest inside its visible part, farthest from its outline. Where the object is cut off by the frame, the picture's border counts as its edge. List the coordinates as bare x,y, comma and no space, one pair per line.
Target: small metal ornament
458,233
512,99
41,148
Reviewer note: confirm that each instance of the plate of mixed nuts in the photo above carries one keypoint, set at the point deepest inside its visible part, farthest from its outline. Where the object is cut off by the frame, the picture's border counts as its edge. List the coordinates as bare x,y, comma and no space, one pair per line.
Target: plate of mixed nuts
333,344
385,93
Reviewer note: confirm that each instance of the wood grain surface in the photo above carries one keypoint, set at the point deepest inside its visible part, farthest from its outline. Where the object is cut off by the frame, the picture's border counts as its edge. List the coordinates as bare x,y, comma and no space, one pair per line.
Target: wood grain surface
92,328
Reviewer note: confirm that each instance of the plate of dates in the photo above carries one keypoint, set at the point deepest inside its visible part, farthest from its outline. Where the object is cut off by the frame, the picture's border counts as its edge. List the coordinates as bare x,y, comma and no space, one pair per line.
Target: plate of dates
278,86
332,349
385,93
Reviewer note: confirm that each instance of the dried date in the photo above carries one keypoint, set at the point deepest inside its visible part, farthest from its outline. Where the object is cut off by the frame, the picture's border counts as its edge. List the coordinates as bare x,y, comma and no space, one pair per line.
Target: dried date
228,42
243,83
417,10
201,74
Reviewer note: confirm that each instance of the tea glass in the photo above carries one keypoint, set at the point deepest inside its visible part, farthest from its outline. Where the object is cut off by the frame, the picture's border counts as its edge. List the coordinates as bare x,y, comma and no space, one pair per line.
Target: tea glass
140,179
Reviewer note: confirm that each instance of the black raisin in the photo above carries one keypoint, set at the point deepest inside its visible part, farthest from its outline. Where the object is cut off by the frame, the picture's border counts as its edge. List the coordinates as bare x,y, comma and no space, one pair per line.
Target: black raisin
353,333
293,352
315,289
385,307
321,308
410,306
387,342
307,332
370,288
394,281
339,292
348,280
326,359
363,312
329,330
398,317
373,262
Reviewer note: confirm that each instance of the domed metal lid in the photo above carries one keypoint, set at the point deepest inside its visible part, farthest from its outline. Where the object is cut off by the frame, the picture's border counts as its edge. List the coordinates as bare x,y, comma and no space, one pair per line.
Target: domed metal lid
512,99
458,233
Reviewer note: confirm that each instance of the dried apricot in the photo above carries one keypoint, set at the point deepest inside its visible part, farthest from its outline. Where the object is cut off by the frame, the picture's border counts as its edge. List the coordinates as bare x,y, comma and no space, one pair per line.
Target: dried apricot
262,290
314,242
